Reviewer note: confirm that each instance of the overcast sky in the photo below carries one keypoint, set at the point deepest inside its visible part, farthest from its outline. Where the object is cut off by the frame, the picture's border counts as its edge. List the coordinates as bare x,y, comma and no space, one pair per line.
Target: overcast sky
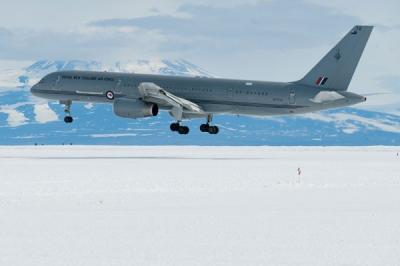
267,40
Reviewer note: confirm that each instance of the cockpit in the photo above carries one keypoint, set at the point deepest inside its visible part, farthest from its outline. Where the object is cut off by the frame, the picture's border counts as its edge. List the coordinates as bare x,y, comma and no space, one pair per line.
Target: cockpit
46,79
42,87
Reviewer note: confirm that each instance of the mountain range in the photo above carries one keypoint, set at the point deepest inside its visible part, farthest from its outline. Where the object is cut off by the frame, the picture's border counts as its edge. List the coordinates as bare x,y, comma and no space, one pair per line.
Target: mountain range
26,120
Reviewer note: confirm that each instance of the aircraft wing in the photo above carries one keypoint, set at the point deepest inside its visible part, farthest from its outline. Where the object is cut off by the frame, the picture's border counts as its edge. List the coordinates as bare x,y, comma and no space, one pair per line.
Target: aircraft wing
153,93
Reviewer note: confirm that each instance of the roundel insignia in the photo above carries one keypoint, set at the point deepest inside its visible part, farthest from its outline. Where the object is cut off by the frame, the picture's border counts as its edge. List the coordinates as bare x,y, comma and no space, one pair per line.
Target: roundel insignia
110,95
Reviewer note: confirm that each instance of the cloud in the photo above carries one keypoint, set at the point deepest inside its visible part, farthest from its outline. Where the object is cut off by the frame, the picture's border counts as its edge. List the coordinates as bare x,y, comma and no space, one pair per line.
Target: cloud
266,40
44,114
216,37
348,123
385,96
243,40
384,13
4,34
82,43
50,14
15,118
265,25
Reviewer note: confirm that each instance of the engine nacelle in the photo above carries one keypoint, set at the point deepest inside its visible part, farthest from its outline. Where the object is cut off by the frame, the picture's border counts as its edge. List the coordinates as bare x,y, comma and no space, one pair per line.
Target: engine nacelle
131,108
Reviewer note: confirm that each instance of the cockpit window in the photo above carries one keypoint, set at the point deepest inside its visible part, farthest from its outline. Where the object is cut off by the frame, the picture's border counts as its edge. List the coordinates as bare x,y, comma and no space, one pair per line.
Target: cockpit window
45,79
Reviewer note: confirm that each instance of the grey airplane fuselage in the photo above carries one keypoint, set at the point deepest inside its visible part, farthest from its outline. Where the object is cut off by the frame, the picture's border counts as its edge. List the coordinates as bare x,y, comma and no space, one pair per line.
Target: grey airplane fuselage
214,95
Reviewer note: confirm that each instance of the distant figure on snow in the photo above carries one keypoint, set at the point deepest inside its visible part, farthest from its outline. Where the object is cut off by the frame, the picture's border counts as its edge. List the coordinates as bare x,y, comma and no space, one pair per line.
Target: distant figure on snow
298,174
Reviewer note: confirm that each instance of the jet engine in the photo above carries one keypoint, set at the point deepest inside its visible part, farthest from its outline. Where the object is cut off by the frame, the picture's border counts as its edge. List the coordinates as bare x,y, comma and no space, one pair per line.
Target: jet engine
131,108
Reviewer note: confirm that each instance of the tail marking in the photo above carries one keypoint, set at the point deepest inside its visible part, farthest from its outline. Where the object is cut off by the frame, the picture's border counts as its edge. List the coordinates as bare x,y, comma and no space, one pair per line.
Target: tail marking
321,81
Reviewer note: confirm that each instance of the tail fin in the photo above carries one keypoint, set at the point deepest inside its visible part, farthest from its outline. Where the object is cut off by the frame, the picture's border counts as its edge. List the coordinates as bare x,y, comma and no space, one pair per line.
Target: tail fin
337,68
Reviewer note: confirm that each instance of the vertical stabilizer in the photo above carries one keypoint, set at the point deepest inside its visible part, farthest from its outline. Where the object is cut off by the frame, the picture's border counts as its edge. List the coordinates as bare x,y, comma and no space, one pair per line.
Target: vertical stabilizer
337,68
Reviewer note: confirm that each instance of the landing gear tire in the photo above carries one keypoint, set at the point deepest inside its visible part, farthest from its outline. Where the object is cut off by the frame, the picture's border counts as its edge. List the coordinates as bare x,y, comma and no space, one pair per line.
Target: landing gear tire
68,119
213,130
204,127
67,110
207,128
183,130
174,127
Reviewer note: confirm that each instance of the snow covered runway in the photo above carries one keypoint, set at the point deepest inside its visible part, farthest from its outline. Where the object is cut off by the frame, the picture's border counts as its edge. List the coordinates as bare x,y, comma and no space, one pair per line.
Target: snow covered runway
199,206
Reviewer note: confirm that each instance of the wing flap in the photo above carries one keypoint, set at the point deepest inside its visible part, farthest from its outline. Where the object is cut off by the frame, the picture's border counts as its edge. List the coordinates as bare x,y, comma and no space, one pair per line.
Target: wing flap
155,94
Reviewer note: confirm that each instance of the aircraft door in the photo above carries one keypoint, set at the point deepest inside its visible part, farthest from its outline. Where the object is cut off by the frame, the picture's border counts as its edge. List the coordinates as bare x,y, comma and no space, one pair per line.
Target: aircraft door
118,87
229,93
57,83
292,97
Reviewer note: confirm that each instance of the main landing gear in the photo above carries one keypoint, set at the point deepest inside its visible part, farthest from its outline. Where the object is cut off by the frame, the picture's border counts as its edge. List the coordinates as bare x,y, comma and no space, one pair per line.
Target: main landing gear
184,130
67,110
213,130
176,127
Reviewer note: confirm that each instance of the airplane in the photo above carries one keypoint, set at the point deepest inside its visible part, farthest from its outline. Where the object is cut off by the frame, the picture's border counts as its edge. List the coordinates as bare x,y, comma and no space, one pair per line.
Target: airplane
143,95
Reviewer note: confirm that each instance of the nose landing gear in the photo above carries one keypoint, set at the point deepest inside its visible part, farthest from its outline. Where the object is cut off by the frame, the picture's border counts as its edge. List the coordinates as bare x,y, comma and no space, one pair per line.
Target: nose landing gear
67,110
68,119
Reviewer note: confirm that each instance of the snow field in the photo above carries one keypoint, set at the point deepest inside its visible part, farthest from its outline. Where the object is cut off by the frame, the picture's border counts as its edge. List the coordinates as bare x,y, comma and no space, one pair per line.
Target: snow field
99,205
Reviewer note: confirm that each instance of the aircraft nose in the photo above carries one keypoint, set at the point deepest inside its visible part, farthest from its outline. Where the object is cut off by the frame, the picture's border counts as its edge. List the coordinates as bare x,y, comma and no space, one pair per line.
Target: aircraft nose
35,89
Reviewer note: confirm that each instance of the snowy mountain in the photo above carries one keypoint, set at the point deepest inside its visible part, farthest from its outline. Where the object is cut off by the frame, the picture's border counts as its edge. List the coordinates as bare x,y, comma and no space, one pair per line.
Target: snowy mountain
28,120
37,70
